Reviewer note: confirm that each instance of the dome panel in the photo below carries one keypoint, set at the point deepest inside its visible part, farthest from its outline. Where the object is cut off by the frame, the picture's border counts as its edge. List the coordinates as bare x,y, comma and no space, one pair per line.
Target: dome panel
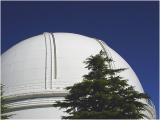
23,66
128,74
71,51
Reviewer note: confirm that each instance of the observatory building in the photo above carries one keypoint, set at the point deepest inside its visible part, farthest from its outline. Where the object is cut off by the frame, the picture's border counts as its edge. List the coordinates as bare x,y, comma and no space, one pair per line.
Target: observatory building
36,71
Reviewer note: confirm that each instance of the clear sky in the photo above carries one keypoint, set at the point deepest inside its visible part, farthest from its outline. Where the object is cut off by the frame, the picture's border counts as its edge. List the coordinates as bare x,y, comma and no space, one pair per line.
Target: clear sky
130,28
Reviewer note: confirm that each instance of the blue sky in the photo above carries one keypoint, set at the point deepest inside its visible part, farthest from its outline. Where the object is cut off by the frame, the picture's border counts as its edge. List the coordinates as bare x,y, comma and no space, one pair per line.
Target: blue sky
130,28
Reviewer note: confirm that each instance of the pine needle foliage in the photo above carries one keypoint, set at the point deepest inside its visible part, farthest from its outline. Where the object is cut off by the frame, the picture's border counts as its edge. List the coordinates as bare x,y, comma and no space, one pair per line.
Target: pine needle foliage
4,106
102,94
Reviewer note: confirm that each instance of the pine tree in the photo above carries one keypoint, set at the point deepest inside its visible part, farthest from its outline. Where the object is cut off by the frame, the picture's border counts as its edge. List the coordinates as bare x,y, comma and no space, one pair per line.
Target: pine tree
102,94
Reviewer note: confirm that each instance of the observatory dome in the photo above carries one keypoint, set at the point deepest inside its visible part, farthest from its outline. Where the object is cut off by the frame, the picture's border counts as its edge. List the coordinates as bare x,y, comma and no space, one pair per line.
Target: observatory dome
39,68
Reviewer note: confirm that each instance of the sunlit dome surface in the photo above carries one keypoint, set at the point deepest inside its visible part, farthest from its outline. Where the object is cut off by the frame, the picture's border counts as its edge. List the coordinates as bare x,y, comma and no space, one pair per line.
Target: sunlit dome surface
46,64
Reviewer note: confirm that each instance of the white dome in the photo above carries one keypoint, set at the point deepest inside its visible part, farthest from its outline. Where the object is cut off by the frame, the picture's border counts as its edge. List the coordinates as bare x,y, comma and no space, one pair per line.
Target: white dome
49,62
54,61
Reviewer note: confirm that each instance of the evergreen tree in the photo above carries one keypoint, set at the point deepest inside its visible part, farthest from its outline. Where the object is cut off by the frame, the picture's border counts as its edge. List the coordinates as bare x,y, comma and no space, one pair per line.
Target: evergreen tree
4,106
102,94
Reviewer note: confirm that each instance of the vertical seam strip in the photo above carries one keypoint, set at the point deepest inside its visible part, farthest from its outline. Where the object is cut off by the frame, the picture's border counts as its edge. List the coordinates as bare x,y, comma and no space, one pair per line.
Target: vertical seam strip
112,63
51,63
51,42
45,61
55,57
